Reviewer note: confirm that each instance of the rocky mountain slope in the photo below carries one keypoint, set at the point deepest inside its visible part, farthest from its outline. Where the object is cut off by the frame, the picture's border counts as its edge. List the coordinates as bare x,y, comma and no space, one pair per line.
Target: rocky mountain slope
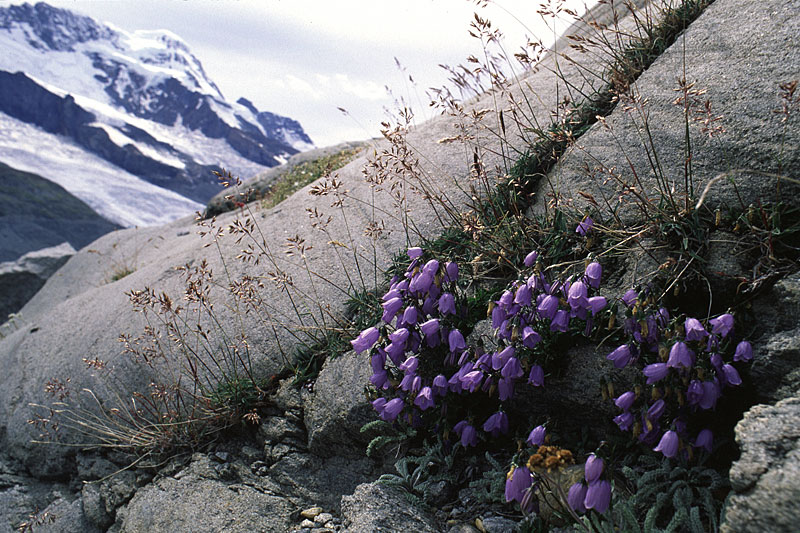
303,465
124,118
36,213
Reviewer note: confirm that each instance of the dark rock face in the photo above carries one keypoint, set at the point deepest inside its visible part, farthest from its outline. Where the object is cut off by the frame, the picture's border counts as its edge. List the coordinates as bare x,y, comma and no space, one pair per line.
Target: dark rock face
776,350
21,279
766,479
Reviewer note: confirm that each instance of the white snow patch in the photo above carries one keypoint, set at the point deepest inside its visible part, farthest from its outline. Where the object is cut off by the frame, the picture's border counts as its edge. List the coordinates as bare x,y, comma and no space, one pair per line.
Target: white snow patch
120,139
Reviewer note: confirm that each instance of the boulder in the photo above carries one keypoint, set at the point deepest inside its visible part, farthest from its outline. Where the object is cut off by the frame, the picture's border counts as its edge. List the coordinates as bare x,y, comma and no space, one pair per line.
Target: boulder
766,478
21,279
338,408
382,509
207,497
776,342
739,52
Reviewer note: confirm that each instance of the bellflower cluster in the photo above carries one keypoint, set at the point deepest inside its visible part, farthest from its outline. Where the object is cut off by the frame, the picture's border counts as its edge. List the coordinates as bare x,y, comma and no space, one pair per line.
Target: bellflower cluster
593,492
421,362
683,372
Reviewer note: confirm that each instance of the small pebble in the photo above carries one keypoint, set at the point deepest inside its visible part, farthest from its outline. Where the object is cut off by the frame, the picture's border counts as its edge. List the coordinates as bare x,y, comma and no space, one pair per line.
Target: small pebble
311,512
221,456
323,518
307,523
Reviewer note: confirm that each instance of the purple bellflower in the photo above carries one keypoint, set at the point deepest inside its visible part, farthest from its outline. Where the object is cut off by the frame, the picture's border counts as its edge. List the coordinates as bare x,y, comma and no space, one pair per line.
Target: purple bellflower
594,271
447,304
518,481
680,355
597,304
744,352
496,424
655,372
656,410
530,259
440,385
625,400
704,440
430,327
468,434
536,377
560,321
585,226
505,388
456,341
575,497
410,316
593,468
731,375
694,330
624,421
530,338
414,253
424,399
621,356
451,271
523,295
630,298
392,409
536,437
668,445
512,369
365,340
577,296
722,325
548,307
598,496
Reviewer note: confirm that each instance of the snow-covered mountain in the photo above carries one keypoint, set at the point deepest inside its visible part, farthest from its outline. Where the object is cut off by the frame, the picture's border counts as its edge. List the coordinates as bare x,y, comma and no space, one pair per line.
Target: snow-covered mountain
128,122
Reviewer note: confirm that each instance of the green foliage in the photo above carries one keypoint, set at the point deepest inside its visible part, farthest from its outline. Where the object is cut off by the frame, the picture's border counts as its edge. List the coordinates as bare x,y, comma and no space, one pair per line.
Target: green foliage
675,497
387,435
121,272
491,485
238,395
304,173
416,474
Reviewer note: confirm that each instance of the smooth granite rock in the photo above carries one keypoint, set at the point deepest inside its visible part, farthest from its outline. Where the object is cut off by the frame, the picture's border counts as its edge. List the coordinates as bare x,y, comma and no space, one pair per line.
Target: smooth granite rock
739,52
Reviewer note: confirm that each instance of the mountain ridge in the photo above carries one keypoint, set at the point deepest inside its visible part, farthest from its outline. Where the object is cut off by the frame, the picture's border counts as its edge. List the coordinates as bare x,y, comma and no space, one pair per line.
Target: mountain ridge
138,100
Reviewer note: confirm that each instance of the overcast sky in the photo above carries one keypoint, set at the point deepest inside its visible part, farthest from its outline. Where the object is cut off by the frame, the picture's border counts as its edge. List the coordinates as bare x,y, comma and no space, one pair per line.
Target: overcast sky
306,58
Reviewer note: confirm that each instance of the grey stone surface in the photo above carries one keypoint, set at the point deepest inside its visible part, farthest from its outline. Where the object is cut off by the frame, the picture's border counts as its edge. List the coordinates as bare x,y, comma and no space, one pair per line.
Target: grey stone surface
737,50
197,500
338,408
67,516
22,495
21,279
766,478
381,509
776,342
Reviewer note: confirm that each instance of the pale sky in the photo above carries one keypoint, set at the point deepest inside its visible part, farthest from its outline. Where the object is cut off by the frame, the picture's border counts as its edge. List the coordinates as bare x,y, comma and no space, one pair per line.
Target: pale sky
306,58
